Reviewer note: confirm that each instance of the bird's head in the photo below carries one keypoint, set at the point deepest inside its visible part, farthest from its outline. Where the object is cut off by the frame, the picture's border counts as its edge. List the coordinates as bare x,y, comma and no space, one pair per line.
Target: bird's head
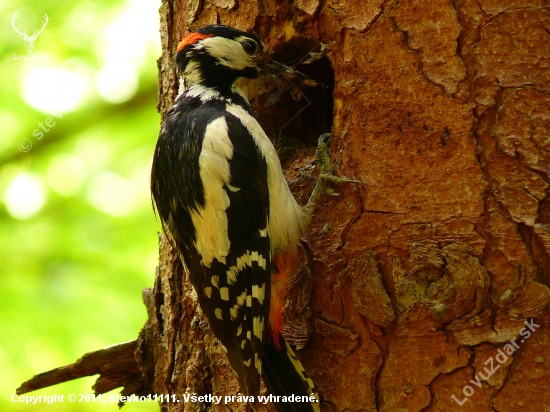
221,58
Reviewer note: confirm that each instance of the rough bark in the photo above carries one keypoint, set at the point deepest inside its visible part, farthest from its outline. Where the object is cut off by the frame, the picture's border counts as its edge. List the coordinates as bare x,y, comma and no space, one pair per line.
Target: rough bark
410,284
415,280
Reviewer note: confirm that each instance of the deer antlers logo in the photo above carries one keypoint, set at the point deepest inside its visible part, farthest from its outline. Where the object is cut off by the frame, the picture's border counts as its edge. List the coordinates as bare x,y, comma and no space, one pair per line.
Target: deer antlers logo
29,40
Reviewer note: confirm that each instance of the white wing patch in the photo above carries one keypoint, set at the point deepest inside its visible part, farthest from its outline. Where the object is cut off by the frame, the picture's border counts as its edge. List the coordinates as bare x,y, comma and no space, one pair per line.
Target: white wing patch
285,216
212,241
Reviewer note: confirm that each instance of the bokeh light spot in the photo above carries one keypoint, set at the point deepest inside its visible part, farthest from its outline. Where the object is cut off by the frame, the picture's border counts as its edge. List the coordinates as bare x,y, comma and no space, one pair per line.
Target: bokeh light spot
24,196
54,91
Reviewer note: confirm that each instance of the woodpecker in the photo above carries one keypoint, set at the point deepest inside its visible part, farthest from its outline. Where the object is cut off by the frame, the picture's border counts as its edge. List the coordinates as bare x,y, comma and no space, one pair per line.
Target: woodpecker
224,203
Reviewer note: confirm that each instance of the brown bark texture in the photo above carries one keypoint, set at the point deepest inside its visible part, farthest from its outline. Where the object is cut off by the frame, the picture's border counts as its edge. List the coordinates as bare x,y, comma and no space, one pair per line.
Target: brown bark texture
412,284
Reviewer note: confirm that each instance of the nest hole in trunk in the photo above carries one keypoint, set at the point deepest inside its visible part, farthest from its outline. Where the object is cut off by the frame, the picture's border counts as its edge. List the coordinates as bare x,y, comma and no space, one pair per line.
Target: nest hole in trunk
301,113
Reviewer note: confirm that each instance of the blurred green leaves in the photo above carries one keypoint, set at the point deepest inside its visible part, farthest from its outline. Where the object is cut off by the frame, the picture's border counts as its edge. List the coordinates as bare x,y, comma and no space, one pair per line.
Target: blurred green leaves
78,237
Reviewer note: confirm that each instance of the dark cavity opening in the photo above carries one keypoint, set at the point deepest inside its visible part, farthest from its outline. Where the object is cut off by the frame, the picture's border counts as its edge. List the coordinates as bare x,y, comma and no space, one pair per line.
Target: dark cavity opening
302,113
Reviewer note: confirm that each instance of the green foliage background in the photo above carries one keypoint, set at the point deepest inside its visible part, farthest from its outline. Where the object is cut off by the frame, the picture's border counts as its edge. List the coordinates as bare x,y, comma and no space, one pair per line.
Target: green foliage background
72,274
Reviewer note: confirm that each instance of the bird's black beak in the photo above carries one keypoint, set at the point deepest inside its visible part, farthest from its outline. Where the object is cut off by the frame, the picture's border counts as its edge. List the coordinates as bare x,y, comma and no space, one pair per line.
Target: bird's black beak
292,75
277,68
288,73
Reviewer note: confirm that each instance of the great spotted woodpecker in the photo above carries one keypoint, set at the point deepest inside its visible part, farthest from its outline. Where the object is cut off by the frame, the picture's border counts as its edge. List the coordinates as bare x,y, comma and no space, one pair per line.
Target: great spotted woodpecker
223,200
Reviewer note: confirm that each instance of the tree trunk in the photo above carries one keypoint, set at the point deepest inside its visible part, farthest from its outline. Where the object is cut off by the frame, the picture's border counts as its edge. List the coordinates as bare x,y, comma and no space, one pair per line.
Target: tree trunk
413,288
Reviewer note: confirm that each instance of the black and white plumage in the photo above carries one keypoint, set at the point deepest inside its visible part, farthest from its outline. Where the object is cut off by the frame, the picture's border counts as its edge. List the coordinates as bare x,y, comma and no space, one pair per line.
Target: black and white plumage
220,192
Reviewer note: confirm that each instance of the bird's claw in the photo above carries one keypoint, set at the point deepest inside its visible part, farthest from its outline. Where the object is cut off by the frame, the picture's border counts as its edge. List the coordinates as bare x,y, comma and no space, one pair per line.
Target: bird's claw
325,177
323,159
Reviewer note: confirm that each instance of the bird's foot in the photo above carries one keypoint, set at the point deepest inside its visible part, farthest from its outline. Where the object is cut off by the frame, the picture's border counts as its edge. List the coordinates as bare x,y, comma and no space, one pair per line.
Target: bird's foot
326,175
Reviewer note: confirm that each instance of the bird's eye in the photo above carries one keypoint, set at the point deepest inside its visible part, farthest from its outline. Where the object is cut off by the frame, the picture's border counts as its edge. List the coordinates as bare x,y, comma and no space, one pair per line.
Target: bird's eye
250,47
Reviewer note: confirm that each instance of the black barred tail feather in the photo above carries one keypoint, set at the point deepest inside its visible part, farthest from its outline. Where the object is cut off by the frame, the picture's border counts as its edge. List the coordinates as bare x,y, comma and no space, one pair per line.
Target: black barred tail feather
284,376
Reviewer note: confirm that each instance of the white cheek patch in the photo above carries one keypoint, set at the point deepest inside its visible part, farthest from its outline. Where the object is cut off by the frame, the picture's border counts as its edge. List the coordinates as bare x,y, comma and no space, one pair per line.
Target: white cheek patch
192,73
227,52
210,222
